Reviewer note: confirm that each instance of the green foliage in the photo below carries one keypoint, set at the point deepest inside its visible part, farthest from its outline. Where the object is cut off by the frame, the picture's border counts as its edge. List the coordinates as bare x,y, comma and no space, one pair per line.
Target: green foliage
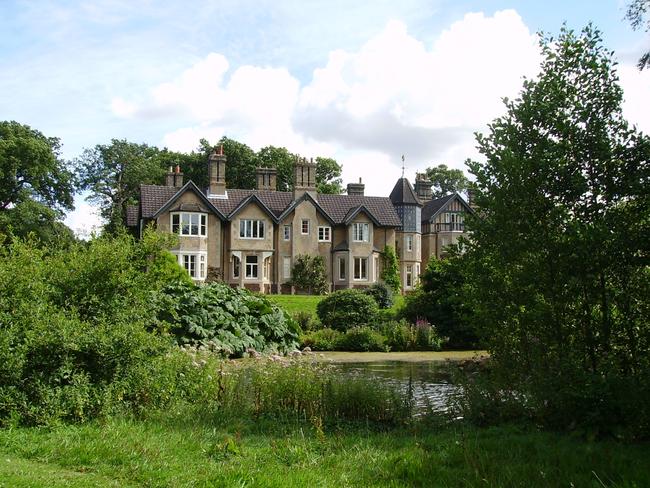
73,332
35,185
344,309
558,262
308,274
328,176
390,269
226,320
636,14
322,339
113,173
439,299
402,336
32,168
241,164
446,180
362,339
280,159
381,293
283,390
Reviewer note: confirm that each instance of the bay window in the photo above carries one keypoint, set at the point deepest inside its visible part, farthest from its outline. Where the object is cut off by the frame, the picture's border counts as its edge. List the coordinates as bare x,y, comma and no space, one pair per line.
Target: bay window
189,224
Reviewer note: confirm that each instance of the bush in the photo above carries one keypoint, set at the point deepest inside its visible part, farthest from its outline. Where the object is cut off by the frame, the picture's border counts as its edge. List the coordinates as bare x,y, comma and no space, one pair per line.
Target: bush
382,294
362,339
399,335
305,320
390,269
226,320
322,340
344,309
308,273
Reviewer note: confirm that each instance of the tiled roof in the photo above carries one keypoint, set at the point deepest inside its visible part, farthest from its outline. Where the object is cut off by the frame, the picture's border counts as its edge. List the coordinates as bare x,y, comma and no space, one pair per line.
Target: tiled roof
276,201
432,207
132,215
336,206
152,197
403,193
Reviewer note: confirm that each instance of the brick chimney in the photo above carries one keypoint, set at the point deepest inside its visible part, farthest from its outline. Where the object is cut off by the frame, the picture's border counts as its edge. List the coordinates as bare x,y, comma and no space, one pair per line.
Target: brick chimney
304,177
423,187
174,177
217,172
356,188
266,178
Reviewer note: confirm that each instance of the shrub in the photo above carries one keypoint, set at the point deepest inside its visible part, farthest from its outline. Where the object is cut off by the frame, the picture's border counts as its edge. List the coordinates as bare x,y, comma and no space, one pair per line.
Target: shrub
305,320
382,294
308,273
322,340
362,339
346,308
399,335
226,320
426,336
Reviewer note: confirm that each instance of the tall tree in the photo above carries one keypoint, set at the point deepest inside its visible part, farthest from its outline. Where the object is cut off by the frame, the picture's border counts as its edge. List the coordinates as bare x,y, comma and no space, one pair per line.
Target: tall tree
282,160
560,252
446,180
328,176
636,14
241,165
32,168
113,174
36,186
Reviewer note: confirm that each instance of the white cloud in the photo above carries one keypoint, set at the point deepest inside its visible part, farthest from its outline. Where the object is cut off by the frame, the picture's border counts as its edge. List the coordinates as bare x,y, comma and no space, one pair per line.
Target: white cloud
394,95
84,219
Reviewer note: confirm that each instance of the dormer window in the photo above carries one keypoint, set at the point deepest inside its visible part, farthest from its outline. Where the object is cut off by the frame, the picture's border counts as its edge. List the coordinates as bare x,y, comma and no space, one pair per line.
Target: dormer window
251,229
360,232
189,224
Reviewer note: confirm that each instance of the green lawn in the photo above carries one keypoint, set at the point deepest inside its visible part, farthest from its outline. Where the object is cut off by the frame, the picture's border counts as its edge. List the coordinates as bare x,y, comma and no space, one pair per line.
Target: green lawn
297,303
307,303
179,450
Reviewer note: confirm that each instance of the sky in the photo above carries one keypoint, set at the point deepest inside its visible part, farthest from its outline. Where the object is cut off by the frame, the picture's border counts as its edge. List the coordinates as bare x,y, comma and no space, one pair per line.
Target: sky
363,82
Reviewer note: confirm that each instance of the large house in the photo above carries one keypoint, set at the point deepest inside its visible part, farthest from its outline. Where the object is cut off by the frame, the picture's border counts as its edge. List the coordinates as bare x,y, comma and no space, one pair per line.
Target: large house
250,238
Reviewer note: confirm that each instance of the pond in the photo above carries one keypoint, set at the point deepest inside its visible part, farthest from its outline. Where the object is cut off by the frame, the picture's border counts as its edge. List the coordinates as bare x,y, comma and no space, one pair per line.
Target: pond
430,382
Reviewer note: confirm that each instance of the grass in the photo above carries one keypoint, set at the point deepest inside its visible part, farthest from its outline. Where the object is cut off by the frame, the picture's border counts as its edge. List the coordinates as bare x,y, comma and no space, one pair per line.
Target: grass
308,303
185,449
297,303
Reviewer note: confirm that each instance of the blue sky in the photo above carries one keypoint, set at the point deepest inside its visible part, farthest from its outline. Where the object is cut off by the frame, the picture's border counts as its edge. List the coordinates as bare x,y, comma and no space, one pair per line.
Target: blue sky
360,81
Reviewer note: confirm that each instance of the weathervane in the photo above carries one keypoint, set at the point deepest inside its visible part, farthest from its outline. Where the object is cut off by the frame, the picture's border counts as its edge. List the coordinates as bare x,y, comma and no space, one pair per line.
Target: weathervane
403,166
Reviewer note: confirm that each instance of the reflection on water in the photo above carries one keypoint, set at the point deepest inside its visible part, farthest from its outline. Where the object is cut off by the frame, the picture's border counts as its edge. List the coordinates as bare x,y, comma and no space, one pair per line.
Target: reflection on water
430,382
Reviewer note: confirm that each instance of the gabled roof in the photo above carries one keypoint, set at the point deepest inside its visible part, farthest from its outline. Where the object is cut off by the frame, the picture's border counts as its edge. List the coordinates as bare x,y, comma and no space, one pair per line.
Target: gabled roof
432,208
253,198
403,193
155,199
306,196
275,201
380,208
151,195
354,211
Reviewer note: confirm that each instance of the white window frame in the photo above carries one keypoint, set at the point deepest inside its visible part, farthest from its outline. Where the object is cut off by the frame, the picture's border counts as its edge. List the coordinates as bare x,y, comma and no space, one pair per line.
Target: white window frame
361,269
324,233
409,243
185,223
286,267
342,267
360,232
200,263
236,267
302,227
253,266
286,232
252,229
408,278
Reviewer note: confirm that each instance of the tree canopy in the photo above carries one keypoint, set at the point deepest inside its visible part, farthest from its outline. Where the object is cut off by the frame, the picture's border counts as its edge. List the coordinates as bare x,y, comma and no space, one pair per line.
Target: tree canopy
36,186
560,246
446,180
636,14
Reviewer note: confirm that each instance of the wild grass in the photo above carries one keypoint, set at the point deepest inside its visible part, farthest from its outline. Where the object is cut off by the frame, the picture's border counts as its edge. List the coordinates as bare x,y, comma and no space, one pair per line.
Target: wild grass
184,448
